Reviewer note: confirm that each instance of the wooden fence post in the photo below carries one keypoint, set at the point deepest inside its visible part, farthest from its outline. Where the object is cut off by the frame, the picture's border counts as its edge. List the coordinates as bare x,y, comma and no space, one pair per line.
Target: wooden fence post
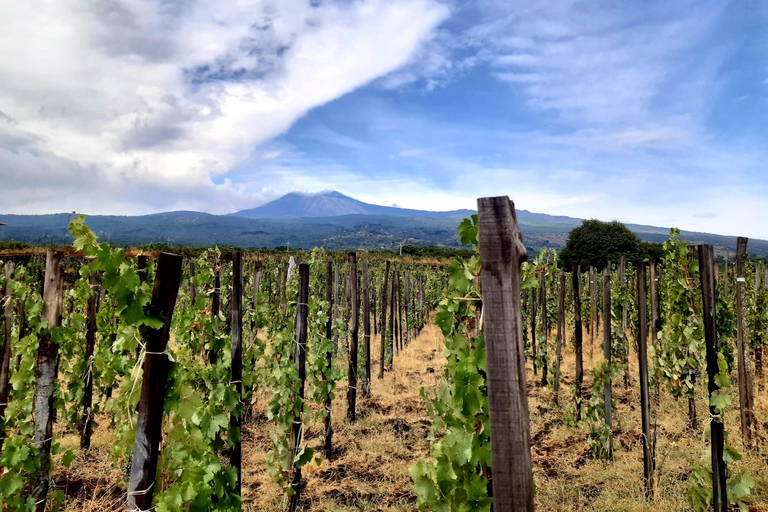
215,310
578,335
236,306
502,252
383,321
717,429
157,364
560,330
300,358
392,315
5,350
544,325
192,288
353,331
744,387
642,356
46,366
336,303
90,345
328,403
258,268
366,331
406,304
534,307
608,354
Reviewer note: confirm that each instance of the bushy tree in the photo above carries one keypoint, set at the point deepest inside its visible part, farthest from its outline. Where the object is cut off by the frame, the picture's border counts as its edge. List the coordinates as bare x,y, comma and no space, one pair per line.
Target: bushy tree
594,243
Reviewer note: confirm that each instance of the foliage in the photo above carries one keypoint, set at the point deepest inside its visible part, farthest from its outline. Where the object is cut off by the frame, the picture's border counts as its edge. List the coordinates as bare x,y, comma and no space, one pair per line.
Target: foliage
458,479
594,243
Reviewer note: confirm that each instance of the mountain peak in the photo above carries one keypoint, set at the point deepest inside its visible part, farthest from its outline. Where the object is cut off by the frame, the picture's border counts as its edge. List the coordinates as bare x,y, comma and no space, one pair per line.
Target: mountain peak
329,203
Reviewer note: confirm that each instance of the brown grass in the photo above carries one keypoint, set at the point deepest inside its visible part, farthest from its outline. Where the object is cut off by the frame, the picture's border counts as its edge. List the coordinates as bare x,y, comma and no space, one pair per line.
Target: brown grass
369,470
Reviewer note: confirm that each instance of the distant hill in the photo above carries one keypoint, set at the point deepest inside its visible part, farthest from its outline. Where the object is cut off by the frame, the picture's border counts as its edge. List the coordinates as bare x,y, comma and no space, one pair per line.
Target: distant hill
331,204
330,219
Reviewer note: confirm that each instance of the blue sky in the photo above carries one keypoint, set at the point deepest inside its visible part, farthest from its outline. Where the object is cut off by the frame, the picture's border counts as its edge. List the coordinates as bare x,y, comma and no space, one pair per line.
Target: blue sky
648,112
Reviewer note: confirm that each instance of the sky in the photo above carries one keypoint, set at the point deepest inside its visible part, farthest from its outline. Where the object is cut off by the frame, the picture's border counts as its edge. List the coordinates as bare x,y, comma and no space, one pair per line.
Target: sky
652,112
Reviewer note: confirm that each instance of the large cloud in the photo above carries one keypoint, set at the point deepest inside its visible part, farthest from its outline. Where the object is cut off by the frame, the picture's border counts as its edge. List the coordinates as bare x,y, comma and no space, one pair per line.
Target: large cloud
131,105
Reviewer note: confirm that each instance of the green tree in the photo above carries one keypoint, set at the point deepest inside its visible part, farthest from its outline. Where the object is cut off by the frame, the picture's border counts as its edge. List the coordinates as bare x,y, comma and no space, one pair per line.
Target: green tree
594,243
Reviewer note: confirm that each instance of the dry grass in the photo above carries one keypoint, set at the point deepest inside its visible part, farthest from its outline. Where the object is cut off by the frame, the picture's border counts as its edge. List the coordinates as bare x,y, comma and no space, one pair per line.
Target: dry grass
369,470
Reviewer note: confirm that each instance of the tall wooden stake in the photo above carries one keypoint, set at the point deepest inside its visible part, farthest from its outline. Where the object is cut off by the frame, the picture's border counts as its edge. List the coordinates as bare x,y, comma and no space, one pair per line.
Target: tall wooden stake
300,358
46,366
744,387
328,402
236,306
642,356
607,355
146,447
353,331
383,321
576,286
90,344
5,351
366,332
717,429
502,253
544,325
560,331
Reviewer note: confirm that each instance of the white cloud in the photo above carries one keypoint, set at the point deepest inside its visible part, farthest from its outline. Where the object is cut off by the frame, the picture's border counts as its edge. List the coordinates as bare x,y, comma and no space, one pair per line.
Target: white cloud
105,97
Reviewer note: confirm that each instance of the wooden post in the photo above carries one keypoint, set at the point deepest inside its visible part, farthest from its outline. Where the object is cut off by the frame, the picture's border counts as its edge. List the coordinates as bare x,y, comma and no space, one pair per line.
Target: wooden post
383,321
5,350
236,306
576,284
284,287
624,290
399,299
607,354
392,315
373,295
642,356
46,366
502,252
300,359
192,289
215,310
741,341
592,311
533,329
560,331
655,315
90,344
366,332
406,305
157,364
258,268
544,326
353,331
717,429
335,306
328,402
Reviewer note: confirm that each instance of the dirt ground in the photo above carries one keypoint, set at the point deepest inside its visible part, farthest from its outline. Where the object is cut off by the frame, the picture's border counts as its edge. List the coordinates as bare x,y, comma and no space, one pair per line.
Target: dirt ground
369,470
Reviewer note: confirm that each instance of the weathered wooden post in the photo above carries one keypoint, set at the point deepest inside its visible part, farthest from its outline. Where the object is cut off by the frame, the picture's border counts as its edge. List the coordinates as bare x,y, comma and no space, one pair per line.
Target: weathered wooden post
592,311
46,369
576,286
366,332
149,423
406,305
236,306
300,359
90,344
392,315
192,288
258,268
544,324
383,321
607,354
502,252
335,306
533,330
328,402
642,356
560,331
353,331
5,350
215,310
717,429
741,340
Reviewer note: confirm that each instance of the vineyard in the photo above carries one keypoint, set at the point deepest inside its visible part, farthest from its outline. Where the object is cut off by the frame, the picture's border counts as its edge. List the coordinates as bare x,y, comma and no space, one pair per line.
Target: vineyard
341,381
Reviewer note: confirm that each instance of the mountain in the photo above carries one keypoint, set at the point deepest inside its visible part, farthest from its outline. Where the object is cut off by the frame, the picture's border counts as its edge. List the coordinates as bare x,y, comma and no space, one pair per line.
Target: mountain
331,204
320,220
